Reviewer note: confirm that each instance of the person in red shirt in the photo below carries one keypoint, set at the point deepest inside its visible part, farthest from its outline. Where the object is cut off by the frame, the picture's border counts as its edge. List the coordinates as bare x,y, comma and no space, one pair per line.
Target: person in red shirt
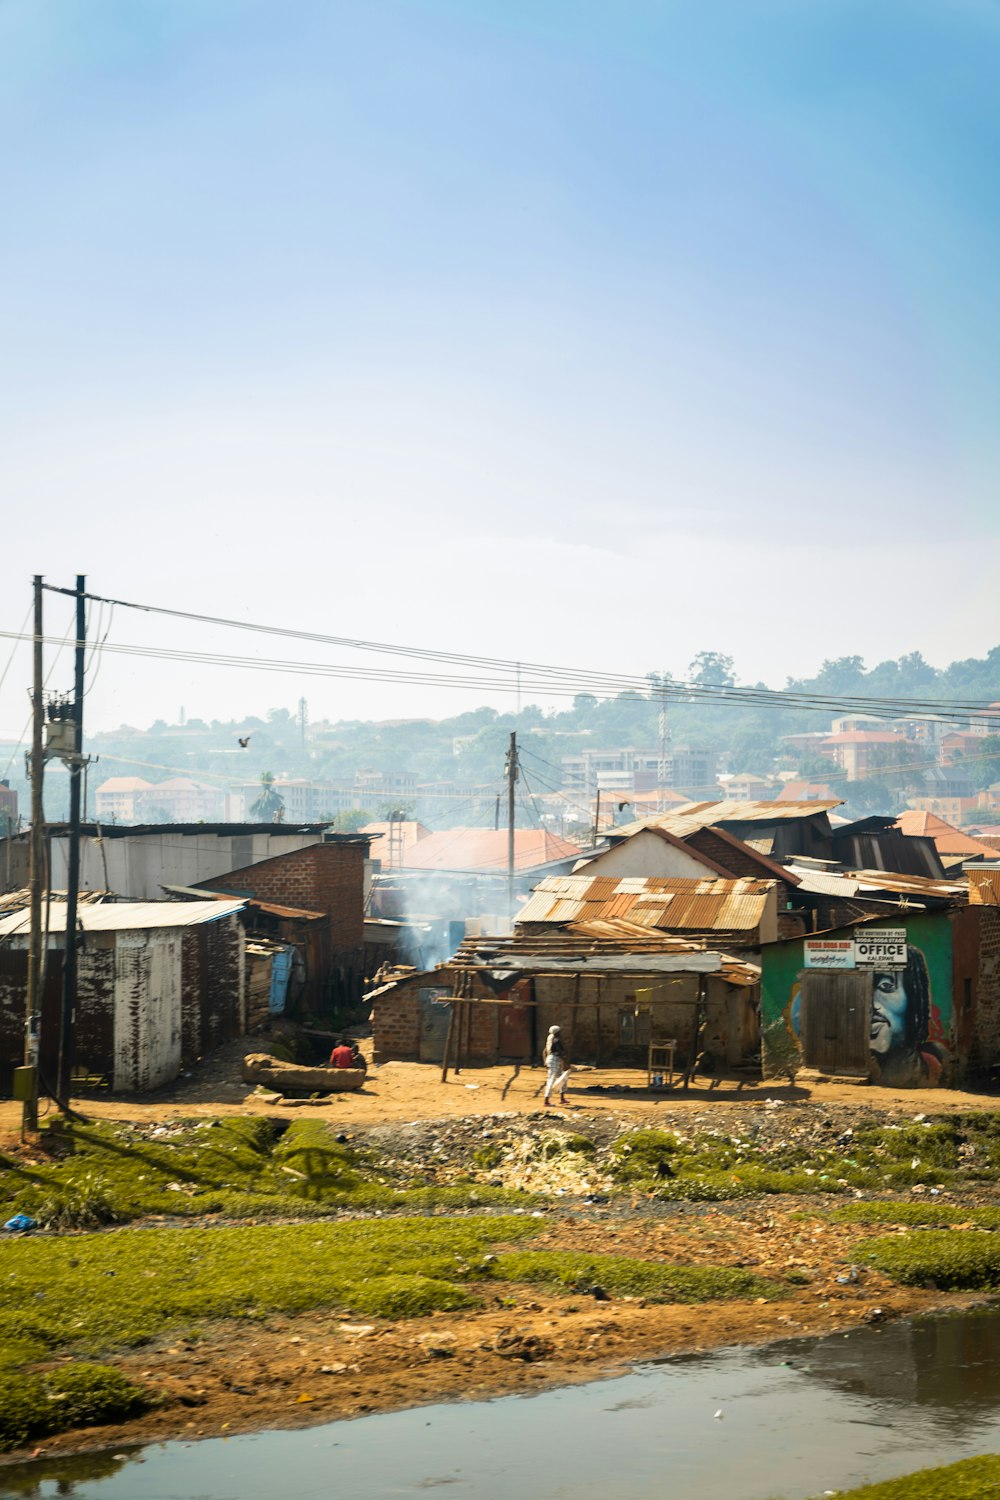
341,1056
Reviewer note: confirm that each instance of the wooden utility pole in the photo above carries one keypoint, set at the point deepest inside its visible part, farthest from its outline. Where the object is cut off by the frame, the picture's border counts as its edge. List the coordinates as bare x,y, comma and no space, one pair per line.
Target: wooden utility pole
36,872
68,1020
511,783
597,818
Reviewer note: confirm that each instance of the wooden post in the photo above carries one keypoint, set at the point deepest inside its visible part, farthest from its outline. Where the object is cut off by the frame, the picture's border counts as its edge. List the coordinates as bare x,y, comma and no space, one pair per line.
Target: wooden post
36,875
447,1043
599,1052
468,1031
459,1017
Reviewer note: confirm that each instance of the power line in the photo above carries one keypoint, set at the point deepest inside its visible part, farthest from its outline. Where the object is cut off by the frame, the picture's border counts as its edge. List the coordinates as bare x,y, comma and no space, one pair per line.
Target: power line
566,675
553,685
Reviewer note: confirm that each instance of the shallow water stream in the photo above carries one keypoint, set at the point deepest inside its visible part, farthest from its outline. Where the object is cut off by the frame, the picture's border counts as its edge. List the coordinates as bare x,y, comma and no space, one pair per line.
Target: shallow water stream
789,1420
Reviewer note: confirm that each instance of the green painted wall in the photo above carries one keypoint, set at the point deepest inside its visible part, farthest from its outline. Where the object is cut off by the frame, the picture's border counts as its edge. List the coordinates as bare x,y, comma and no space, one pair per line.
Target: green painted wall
782,964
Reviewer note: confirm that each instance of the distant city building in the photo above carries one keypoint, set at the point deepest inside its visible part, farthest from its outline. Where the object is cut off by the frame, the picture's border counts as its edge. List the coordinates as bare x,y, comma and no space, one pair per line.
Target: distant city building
115,800
132,799
863,753
853,723
629,770
987,722
747,786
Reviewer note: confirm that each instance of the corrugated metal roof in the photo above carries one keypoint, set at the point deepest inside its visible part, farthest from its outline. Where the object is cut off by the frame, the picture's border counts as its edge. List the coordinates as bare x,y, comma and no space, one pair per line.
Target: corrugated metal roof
850,883
485,849
984,887
694,815
125,916
822,883
654,901
16,900
601,948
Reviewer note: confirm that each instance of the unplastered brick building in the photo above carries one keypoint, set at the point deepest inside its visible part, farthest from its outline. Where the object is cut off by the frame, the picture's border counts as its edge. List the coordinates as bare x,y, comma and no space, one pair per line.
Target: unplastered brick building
326,877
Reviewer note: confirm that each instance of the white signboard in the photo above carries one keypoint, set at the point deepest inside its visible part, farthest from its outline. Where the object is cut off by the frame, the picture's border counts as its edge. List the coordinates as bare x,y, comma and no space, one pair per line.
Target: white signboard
829,953
880,948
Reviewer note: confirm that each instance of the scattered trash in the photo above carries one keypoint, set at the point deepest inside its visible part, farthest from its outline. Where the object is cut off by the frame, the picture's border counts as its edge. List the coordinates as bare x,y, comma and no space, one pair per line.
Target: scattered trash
718,1415
21,1223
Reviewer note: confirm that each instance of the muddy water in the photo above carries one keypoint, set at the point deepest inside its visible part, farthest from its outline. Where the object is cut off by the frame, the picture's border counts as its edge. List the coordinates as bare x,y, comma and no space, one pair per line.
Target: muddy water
790,1420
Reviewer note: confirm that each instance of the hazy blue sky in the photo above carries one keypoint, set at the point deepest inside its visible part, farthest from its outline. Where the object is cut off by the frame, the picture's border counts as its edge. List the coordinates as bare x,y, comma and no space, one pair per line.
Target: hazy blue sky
594,333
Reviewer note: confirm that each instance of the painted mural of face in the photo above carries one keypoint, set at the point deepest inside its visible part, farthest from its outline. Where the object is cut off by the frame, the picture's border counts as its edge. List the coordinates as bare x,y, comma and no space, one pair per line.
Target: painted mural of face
889,1007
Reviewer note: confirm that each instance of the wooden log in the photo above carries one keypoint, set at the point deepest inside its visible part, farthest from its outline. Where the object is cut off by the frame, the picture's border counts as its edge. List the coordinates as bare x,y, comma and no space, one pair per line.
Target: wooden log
260,1067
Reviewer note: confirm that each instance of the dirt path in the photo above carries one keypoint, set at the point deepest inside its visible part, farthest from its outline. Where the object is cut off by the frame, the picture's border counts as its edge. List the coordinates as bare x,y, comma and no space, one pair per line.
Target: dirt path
402,1091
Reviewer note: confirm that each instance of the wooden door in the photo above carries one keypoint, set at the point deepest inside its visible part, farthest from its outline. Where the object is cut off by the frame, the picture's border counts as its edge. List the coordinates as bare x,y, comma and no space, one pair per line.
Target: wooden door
435,1013
514,1038
836,1021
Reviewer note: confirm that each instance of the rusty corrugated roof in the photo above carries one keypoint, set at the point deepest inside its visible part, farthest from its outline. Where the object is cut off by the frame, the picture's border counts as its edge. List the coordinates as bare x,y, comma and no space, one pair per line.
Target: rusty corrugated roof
984,887
653,901
602,947
694,815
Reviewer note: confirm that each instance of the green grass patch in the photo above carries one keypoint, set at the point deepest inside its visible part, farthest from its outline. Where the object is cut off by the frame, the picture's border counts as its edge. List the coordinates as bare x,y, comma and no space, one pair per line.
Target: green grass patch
94,1293
239,1167
950,1259
91,1294
928,1214
971,1479
637,1278
76,1395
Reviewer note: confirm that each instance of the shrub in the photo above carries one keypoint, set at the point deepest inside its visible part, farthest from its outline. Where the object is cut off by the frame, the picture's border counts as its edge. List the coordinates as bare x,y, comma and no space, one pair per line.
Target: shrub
79,1395
950,1259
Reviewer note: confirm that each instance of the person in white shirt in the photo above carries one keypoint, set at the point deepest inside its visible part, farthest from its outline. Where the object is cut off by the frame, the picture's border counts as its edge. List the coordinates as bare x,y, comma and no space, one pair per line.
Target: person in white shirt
554,1058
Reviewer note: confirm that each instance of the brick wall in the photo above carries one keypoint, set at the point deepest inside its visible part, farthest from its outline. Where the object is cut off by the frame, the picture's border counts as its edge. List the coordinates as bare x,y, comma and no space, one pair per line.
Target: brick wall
396,1024
988,985
738,862
324,877
592,1034
977,973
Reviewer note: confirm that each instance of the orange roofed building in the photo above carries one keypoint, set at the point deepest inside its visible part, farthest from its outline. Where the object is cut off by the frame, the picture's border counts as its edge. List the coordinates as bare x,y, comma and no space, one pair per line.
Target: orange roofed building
948,839
485,850
394,840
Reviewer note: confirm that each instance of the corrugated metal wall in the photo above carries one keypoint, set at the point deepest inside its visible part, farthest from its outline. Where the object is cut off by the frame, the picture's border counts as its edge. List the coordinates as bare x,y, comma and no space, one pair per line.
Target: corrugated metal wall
148,1001
147,1008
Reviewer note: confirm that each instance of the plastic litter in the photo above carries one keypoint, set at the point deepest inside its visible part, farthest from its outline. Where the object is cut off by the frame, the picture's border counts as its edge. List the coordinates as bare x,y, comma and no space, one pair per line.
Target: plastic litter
20,1223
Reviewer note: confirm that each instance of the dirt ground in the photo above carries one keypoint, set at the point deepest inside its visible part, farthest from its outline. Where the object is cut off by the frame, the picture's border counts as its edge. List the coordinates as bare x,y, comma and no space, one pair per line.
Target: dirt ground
294,1371
404,1091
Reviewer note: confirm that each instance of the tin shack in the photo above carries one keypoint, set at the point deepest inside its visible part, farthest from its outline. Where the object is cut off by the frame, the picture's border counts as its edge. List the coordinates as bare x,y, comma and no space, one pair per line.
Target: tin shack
159,984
